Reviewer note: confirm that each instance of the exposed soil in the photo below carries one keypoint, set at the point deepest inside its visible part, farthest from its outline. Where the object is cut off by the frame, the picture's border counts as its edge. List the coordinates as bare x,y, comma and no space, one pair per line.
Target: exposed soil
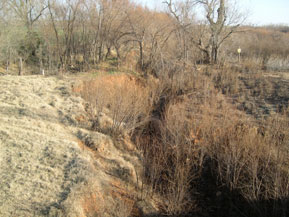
46,169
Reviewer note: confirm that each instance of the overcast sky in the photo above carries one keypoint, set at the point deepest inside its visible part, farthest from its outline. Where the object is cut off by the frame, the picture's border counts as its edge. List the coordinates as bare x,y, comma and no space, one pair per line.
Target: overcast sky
262,12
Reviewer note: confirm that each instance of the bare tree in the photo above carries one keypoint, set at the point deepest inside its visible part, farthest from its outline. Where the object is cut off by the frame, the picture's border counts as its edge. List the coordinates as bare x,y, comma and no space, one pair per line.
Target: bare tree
29,11
139,23
223,18
24,14
63,17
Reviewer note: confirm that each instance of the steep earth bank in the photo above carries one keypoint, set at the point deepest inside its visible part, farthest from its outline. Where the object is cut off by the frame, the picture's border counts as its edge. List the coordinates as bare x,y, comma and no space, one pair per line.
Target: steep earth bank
46,167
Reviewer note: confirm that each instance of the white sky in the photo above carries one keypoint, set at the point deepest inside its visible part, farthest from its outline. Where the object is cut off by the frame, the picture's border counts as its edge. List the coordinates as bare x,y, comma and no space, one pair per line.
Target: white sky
262,12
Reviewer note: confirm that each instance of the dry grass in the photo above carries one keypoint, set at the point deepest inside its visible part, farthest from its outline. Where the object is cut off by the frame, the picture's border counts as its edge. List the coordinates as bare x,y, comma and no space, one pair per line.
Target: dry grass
277,63
256,92
191,134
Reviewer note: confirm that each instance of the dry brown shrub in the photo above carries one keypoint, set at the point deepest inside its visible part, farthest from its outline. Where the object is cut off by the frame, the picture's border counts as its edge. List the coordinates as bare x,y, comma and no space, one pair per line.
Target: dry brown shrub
185,125
249,158
172,154
124,98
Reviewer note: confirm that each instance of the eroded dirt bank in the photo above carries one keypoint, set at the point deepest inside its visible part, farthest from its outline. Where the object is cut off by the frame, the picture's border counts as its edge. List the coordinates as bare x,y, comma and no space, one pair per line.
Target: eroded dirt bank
45,168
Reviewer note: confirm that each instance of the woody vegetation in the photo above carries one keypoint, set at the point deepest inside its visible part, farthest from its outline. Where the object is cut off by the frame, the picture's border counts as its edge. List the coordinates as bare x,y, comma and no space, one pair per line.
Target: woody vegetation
213,130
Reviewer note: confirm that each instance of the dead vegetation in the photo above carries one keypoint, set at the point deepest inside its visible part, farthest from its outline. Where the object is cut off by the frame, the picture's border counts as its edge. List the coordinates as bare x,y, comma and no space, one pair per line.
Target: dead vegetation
117,103
256,92
211,124
197,144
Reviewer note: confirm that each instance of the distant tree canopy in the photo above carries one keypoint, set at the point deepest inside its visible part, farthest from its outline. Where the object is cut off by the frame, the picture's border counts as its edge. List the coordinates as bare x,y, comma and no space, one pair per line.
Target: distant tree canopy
79,34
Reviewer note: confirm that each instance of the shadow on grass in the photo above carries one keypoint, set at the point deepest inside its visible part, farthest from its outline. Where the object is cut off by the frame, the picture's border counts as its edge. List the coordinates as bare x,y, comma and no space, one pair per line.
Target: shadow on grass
219,201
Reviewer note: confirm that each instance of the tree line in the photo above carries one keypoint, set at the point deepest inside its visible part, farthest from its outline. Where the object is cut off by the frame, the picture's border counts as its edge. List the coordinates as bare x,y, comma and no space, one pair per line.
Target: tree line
79,34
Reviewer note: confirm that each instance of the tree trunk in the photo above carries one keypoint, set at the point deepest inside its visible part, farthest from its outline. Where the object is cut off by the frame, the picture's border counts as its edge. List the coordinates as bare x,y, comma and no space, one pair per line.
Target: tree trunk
141,60
7,65
208,55
214,56
94,50
118,52
100,53
108,53
20,66
8,60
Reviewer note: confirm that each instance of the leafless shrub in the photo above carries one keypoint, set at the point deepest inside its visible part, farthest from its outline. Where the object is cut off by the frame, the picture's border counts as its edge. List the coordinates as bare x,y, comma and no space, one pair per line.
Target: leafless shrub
248,158
121,98
183,119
